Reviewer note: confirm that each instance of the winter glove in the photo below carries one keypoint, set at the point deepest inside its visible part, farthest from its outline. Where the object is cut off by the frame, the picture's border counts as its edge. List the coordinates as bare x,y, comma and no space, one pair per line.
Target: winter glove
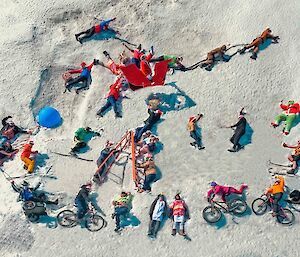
96,62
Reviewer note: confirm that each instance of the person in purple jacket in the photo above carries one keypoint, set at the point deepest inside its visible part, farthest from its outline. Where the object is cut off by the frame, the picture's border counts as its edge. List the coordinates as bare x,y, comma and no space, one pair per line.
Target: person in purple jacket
98,28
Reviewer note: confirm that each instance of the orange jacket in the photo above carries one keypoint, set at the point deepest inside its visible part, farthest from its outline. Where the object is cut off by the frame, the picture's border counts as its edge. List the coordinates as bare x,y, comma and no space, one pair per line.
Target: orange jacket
277,188
26,151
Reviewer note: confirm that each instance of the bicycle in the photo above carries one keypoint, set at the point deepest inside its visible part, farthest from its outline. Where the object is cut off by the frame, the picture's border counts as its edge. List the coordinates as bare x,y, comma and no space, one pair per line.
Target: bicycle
261,204
213,213
92,221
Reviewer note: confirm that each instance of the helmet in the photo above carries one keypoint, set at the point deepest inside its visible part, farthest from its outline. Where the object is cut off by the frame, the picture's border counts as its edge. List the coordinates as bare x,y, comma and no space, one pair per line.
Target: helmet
83,64
213,184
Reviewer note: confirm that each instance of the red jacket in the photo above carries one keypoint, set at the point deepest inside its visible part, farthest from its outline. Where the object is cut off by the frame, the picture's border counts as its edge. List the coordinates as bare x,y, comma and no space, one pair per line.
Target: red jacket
114,89
145,65
26,151
290,109
80,70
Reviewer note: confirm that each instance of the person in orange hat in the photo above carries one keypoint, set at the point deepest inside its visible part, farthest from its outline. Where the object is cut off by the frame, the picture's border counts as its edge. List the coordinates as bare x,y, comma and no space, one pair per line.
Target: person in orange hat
26,156
194,131
276,191
257,42
83,78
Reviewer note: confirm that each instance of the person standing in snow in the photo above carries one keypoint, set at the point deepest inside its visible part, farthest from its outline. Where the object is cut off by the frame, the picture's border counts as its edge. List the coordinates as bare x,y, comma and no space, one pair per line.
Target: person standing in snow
179,213
223,191
82,136
157,212
257,42
98,28
194,131
240,130
84,77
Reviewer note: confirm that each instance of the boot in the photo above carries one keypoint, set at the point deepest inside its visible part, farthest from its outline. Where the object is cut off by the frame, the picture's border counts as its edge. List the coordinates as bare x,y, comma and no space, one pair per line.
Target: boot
241,51
100,113
181,232
173,232
291,171
253,56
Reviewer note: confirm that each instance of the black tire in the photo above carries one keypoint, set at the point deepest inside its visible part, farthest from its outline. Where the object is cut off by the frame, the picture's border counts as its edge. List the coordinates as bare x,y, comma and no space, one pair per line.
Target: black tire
29,205
67,218
237,206
285,217
211,215
94,223
32,217
259,206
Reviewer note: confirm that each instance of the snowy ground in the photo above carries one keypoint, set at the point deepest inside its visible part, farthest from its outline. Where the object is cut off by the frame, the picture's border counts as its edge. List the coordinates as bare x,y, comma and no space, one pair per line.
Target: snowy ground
38,44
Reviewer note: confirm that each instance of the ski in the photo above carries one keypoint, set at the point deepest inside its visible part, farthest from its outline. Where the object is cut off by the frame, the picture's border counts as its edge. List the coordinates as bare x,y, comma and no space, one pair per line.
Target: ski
280,165
73,155
283,172
46,174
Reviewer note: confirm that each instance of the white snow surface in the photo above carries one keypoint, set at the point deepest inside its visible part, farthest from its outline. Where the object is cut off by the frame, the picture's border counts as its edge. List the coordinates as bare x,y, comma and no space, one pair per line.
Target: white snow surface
39,35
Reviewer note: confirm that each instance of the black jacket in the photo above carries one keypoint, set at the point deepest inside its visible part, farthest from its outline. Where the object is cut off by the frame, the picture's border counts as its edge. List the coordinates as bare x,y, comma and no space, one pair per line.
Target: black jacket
240,126
83,194
153,117
6,126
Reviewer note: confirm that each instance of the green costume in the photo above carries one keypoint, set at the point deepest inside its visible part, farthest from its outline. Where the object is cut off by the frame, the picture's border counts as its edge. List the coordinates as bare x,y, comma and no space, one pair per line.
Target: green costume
173,59
84,136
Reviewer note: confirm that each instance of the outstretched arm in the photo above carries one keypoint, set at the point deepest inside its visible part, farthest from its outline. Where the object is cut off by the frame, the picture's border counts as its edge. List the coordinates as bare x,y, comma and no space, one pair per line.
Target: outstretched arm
131,50
289,146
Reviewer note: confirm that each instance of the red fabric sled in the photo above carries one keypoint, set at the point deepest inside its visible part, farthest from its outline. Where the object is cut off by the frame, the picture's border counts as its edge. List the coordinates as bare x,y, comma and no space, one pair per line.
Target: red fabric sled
136,78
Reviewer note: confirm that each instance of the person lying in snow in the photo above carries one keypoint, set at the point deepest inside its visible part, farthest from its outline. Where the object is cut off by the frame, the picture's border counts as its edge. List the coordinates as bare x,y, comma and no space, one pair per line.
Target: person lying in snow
108,148
212,55
145,65
276,192
293,158
194,131
6,152
179,213
82,136
9,130
289,115
137,53
82,200
112,98
98,28
147,145
175,63
257,42
26,156
158,211
84,78
28,193
240,130
223,191
110,64
122,206
149,171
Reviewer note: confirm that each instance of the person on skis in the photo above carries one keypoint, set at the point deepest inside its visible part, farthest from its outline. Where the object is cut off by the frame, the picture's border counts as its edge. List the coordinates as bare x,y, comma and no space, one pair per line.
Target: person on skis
223,191
84,78
112,98
257,42
26,156
154,117
150,173
82,200
213,55
194,131
289,115
9,130
158,211
28,193
82,136
179,213
98,28
122,206
240,130
276,192
293,158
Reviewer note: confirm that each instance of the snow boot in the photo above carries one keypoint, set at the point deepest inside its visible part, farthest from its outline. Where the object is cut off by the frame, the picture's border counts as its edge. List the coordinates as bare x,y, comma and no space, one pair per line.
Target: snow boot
106,54
193,144
201,147
173,232
291,171
253,56
100,114
232,150
181,232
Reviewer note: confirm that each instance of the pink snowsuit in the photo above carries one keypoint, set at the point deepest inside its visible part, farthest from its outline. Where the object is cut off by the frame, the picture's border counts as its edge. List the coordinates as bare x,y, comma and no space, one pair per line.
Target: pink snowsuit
224,191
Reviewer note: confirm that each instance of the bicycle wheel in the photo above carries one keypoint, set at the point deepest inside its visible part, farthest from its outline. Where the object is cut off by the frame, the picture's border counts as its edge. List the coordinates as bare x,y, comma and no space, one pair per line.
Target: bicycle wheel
94,223
237,206
32,217
67,218
259,206
285,216
211,215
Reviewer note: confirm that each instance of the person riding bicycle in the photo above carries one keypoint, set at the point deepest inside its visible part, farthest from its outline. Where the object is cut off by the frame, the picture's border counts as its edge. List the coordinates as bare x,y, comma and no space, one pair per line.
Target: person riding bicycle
82,200
122,205
276,192
223,191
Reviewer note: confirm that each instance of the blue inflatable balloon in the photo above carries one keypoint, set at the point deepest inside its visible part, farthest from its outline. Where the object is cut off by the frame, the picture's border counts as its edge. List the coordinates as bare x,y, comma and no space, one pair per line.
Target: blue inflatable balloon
49,117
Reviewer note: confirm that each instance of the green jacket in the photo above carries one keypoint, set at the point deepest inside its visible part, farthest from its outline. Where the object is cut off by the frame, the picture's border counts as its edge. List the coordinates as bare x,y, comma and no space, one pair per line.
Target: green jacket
84,135
124,201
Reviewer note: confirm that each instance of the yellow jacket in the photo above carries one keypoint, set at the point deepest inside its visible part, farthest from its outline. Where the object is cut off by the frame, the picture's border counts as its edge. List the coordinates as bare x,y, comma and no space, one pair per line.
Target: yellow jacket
191,126
278,187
